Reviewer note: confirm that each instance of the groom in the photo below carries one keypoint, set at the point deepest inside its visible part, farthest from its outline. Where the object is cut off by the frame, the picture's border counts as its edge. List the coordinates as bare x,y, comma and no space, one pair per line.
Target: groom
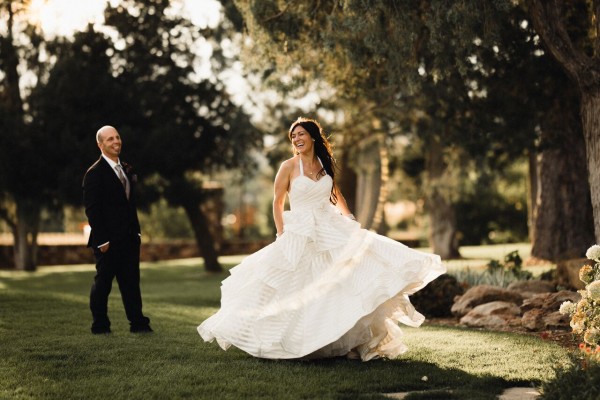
109,199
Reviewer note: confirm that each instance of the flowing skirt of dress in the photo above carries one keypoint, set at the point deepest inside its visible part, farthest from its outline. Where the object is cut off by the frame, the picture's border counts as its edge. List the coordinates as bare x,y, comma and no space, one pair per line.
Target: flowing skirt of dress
322,289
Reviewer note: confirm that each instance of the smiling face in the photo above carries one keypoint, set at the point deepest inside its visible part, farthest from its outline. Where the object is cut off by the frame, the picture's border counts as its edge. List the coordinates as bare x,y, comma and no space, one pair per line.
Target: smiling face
301,140
109,142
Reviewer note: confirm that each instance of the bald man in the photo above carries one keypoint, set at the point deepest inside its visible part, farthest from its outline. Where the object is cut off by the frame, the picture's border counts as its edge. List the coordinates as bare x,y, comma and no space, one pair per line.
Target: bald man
108,196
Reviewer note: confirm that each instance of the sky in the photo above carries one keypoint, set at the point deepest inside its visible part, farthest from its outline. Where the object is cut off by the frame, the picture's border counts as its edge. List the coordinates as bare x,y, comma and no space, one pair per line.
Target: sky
62,17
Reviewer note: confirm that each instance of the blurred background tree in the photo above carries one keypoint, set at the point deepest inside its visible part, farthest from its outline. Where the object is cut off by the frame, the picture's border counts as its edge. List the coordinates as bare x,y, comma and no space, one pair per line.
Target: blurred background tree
468,79
463,110
141,73
25,181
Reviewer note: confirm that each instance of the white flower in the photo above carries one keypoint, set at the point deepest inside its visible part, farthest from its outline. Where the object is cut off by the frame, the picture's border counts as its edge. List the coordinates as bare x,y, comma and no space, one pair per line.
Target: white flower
593,253
593,290
577,323
567,308
586,274
592,336
425,378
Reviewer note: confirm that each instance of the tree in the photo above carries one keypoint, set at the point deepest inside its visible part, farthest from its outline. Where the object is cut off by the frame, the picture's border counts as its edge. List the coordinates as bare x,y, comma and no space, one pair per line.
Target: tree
189,126
79,96
441,66
24,181
562,223
569,31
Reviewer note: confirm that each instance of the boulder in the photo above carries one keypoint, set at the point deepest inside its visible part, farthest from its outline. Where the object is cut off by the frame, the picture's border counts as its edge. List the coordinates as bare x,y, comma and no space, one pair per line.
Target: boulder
540,312
549,302
557,321
531,287
493,315
567,272
482,294
533,320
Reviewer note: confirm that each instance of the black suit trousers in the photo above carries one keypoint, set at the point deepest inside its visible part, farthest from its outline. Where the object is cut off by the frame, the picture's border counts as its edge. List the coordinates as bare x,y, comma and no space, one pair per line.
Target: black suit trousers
121,261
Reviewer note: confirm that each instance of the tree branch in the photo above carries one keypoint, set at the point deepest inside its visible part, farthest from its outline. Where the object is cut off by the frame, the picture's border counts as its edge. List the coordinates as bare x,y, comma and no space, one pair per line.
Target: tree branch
545,15
6,217
279,14
596,27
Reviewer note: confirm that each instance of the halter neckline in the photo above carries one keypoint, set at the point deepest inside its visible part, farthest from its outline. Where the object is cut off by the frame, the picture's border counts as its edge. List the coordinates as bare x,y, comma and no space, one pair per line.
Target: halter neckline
302,166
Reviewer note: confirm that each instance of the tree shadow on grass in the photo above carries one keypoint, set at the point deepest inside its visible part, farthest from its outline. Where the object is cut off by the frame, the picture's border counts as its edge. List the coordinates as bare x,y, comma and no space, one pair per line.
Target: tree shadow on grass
376,378
47,318
50,342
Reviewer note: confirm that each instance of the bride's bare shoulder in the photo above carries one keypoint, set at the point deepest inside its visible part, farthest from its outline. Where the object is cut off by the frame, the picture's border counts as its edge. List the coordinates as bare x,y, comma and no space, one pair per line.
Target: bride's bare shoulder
289,164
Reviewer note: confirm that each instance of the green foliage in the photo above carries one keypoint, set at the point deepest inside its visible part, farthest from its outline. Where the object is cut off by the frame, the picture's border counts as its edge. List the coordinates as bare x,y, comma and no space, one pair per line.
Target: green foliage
441,68
466,74
577,380
187,123
469,277
163,221
174,362
436,299
512,263
492,208
497,273
90,97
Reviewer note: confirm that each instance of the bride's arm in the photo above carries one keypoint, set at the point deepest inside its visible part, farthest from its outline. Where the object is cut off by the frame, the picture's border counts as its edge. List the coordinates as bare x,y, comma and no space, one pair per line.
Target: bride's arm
341,203
281,185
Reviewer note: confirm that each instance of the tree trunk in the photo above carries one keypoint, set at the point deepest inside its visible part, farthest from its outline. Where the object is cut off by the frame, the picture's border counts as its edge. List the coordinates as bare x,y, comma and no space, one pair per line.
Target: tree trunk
14,102
204,238
25,233
583,70
532,192
372,174
562,212
590,117
347,181
438,203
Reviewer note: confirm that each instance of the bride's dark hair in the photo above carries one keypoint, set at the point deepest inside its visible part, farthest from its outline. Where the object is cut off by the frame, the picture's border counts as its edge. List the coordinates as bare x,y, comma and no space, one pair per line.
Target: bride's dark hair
323,148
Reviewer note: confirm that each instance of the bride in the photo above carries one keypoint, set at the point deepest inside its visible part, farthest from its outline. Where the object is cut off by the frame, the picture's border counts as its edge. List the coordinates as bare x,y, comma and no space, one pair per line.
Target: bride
325,287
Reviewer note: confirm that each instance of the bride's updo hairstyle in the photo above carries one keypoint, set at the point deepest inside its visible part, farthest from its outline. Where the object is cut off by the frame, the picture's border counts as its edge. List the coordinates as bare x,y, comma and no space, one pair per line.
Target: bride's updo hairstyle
323,148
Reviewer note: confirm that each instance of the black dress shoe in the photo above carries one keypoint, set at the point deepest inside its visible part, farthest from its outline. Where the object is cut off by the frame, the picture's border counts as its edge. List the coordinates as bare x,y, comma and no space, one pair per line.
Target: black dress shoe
141,329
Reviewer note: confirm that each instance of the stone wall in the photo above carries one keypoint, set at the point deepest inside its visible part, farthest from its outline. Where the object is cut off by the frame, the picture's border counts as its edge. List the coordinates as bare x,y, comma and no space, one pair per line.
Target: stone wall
79,254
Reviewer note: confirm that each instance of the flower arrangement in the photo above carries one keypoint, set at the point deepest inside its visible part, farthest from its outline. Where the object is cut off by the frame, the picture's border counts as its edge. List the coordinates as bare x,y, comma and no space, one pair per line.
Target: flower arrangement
585,314
129,172
590,354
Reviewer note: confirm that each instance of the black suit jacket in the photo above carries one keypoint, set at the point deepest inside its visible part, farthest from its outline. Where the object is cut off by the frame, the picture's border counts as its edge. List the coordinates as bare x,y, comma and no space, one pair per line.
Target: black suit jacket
112,217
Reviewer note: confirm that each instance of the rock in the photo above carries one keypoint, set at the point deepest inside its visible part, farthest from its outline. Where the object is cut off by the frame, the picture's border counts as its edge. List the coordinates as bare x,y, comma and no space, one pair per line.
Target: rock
533,320
549,302
540,312
531,287
557,321
519,393
567,272
493,315
483,294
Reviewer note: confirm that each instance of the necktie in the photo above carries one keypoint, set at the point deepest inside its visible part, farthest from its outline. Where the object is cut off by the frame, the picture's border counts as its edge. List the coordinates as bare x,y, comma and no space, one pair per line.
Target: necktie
122,178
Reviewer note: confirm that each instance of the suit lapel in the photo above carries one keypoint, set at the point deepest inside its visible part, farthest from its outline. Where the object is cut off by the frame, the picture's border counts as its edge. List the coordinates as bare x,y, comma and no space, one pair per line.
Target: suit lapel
117,185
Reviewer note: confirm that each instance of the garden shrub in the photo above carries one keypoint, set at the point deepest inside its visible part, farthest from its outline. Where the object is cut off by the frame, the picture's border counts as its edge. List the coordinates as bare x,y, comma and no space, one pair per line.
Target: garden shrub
436,299
579,380
585,314
497,273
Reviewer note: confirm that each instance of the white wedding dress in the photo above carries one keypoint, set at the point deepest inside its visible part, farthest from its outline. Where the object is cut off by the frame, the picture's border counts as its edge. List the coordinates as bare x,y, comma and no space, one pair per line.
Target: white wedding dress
323,288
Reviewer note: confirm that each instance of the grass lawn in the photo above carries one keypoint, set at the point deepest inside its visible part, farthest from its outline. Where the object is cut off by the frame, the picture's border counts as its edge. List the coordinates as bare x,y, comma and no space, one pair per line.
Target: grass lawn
47,351
477,257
